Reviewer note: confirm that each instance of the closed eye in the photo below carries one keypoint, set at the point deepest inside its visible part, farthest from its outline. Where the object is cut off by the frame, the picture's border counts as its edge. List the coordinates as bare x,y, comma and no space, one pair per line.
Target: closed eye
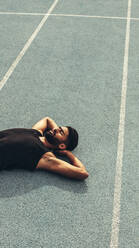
61,130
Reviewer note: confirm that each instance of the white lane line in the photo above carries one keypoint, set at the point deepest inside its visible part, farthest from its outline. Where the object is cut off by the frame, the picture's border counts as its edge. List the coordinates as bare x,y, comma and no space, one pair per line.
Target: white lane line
27,45
90,16
22,13
70,15
65,15
100,17
119,162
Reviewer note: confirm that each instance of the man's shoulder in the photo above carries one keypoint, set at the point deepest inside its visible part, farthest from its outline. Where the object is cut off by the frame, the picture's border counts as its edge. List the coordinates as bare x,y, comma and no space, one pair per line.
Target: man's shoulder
46,157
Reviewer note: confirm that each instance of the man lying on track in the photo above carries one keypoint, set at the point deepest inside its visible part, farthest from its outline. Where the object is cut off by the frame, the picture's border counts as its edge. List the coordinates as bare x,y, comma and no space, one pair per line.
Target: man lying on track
30,149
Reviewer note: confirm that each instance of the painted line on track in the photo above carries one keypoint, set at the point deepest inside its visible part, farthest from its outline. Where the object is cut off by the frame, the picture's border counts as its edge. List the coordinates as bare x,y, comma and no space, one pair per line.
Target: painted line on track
27,45
71,15
119,163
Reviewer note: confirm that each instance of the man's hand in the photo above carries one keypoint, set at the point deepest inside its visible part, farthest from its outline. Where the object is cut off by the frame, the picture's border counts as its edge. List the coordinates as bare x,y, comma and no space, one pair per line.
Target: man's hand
66,153
51,123
46,122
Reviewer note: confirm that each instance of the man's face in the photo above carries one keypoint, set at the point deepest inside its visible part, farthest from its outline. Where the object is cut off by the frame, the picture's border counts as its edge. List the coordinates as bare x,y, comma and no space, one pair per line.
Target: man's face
57,136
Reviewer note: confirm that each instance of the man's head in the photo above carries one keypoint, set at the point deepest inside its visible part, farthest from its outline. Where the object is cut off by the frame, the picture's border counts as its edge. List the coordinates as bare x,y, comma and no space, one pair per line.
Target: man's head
62,137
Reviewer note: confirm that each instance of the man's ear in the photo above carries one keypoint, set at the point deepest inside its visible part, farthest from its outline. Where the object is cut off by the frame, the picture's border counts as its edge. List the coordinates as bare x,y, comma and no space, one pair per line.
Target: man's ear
62,146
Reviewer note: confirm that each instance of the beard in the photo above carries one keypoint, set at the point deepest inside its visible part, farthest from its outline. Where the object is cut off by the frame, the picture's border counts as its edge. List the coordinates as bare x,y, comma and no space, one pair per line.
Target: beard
51,139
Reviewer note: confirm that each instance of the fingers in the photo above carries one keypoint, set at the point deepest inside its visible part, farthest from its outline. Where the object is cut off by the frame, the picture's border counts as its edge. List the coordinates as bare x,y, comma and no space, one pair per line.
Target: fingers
62,151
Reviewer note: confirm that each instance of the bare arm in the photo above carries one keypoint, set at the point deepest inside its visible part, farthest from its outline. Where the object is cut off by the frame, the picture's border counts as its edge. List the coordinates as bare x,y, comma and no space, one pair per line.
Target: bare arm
46,122
59,166
73,159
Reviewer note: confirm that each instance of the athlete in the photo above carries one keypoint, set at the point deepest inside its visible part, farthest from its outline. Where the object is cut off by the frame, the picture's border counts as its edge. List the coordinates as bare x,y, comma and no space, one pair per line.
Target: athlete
36,148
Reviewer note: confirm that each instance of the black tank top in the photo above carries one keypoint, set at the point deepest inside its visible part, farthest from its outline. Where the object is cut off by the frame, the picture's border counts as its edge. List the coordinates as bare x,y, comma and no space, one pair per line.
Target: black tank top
20,148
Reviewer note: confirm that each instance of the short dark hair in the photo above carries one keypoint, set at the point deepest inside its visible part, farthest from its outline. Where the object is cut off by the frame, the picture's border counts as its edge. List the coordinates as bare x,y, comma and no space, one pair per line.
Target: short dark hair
73,138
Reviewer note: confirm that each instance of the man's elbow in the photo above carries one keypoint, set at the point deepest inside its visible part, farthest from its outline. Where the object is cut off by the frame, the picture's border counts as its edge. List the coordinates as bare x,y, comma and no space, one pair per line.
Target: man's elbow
83,175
